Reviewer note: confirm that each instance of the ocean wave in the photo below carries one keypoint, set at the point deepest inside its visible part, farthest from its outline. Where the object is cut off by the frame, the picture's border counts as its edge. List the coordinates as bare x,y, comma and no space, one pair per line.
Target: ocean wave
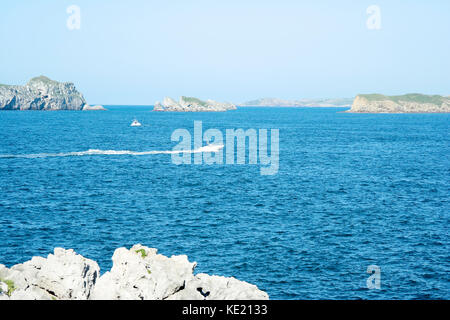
94,152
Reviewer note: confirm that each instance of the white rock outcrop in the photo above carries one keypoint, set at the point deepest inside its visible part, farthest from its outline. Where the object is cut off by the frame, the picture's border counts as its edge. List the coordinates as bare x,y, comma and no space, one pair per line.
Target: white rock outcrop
206,287
139,273
3,290
93,108
63,275
190,104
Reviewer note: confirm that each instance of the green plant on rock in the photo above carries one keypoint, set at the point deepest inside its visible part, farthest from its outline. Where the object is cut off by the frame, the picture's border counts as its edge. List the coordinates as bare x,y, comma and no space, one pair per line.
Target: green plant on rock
142,252
10,285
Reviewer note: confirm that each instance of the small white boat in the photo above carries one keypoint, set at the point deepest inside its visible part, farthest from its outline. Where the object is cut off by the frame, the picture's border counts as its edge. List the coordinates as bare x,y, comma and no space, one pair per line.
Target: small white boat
136,123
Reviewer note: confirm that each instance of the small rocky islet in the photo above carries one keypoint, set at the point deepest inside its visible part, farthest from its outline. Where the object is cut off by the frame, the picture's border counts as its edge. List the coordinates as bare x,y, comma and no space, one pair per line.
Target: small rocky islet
139,273
191,104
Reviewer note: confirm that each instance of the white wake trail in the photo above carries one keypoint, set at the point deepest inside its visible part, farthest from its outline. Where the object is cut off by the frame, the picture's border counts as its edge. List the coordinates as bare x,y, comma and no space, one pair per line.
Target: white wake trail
93,152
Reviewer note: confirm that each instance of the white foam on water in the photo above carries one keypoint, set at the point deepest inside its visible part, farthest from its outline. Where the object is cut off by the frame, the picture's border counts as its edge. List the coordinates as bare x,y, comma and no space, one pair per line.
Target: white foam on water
93,152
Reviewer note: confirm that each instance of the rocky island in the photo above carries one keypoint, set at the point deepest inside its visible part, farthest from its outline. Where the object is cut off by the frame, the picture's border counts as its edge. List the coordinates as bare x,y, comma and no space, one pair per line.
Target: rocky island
139,273
190,104
93,108
274,102
42,93
409,103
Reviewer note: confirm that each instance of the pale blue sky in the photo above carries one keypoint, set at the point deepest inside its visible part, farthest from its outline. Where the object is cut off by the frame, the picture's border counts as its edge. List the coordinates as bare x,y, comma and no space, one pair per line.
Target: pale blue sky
137,52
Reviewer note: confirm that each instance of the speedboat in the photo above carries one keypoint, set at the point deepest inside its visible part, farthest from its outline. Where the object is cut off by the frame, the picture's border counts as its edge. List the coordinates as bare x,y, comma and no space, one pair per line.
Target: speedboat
136,123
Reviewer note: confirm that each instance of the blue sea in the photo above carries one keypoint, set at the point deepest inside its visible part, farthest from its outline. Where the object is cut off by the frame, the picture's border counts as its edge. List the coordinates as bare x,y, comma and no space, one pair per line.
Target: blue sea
352,190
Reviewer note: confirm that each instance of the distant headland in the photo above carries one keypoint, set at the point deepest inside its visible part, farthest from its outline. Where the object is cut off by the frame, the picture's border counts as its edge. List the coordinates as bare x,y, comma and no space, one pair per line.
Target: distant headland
274,102
190,104
42,93
408,103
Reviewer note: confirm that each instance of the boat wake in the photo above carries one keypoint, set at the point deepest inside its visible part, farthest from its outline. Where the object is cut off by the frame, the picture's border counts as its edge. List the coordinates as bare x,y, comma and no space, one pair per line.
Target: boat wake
94,152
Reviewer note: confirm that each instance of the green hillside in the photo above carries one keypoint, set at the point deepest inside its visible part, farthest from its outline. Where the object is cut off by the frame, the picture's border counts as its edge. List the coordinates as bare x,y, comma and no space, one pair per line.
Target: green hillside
412,97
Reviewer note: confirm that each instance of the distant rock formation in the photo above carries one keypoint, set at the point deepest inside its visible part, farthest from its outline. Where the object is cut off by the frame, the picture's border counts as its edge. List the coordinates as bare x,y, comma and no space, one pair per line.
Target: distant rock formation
93,108
41,93
137,274
409,103
274,102
189,104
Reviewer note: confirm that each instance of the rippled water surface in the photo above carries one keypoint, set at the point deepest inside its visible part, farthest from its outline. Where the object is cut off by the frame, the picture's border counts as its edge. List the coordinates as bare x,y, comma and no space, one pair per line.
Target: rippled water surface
352,191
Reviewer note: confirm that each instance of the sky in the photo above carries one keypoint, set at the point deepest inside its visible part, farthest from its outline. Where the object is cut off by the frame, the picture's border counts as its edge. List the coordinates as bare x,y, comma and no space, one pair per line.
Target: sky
136,52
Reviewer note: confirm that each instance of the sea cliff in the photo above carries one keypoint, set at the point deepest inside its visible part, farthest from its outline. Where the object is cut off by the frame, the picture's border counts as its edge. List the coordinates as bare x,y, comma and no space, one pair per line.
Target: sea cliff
139,273
41,93
409,103
190,104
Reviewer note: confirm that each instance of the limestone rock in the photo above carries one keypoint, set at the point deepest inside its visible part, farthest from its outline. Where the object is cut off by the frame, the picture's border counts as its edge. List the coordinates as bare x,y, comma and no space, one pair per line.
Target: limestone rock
63,275
190,104
142,274
137,274
170,103
93,108
41,93
158,106
409,103
4,291
206,287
